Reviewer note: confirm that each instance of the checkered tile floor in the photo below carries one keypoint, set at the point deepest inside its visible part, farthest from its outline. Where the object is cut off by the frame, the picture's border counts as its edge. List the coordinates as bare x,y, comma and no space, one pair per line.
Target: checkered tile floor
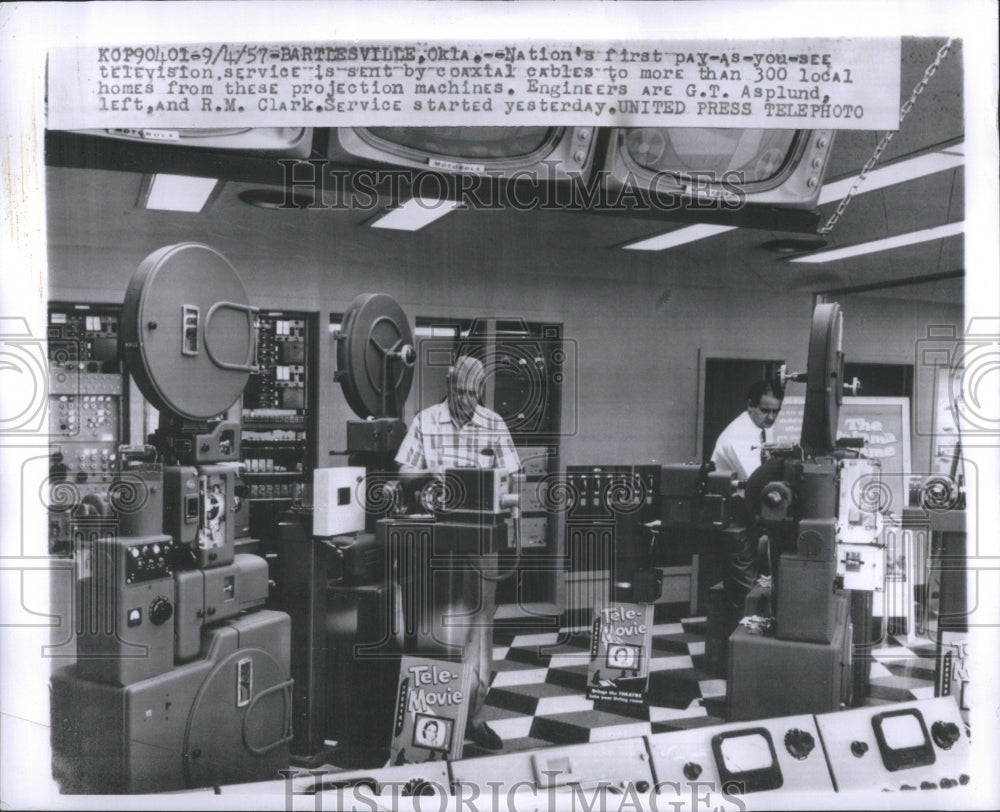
538,693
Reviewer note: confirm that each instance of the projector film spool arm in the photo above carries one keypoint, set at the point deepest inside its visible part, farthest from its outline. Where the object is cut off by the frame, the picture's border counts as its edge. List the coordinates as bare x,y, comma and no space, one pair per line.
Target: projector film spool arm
251,312
402,352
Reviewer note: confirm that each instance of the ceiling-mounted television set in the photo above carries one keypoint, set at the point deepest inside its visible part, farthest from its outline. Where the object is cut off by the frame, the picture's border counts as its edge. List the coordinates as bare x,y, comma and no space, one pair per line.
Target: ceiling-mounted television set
729,166
291,142
538,154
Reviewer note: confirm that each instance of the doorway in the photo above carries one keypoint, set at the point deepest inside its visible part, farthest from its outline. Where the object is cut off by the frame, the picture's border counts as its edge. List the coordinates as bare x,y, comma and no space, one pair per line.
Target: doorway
726,384
881,380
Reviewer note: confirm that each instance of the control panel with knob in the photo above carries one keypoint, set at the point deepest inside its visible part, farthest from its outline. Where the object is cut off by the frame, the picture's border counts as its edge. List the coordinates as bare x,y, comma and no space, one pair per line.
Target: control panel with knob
160,610
124,633
755,759
149,560
909,746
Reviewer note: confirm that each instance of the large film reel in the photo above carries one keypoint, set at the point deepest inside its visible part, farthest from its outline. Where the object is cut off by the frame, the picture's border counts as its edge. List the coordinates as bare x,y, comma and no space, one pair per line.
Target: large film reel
188,332
375,356
824,380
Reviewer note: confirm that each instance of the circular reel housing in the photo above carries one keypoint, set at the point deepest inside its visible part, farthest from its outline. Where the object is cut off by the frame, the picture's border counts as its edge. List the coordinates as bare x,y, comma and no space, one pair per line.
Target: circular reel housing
824,380
188,332
375,356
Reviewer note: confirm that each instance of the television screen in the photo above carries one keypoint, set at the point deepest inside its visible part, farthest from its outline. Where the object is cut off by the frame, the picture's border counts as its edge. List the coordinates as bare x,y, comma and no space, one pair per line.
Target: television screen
754,155
756,166
470,143
536,153
293,142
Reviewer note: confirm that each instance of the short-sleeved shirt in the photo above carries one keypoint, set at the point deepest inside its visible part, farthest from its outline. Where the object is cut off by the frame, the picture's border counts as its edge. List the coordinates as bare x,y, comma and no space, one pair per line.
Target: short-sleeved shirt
434,441
739,446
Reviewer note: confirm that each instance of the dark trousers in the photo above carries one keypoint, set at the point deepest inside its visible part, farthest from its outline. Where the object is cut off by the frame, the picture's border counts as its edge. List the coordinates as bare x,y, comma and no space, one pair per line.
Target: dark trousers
732,559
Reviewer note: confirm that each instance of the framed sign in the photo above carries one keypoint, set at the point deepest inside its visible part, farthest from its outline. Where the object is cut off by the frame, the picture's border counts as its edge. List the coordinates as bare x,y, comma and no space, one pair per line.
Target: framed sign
620,648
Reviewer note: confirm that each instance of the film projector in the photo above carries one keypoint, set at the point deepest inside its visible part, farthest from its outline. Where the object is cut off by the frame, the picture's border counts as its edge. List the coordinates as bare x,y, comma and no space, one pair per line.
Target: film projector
182,678
817,506
370,570
336,583
818,503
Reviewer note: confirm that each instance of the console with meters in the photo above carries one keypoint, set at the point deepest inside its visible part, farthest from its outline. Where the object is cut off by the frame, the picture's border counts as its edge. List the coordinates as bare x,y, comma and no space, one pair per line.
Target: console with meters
760,758
900,747
918,745
182,677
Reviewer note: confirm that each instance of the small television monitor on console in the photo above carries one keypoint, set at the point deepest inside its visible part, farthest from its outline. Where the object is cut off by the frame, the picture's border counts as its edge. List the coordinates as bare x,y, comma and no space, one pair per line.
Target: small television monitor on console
729,166
538,154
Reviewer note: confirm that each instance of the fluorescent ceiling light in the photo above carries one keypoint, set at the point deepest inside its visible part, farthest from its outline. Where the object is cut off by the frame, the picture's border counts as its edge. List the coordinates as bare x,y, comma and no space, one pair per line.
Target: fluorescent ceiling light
898,241
415,213
899,172
895,173
175,192
677,237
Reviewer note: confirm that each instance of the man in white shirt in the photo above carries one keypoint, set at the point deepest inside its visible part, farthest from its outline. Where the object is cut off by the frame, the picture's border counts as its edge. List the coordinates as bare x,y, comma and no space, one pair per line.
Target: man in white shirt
739,450
739,447
460,432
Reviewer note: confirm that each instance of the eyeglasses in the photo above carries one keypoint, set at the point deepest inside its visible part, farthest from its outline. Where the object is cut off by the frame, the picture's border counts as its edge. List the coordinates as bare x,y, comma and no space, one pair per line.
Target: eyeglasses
766,411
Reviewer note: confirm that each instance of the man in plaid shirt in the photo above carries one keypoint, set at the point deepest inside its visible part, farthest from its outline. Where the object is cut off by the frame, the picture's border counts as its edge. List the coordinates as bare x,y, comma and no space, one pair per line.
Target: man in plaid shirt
460,432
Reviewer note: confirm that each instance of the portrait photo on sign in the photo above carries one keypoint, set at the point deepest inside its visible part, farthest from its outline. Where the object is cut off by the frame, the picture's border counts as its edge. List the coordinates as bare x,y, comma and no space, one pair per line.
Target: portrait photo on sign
432,732
624,656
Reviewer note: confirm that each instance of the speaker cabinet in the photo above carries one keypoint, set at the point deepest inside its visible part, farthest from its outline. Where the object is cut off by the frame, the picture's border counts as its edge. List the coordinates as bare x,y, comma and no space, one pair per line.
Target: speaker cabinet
806,605
771,677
